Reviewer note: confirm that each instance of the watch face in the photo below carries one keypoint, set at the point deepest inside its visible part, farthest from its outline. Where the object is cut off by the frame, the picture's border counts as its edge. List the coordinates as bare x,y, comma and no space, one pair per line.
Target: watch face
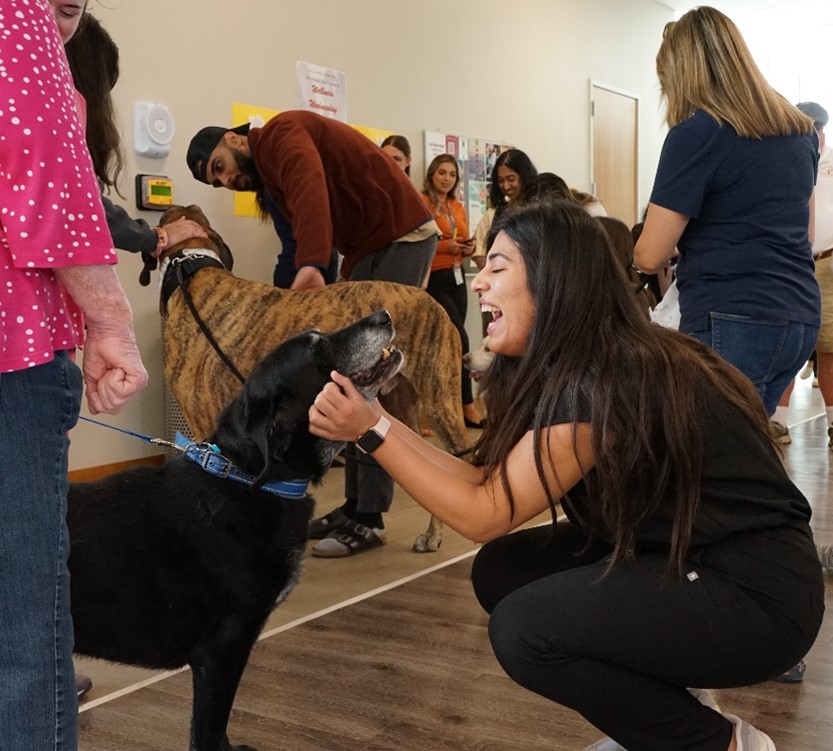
370,441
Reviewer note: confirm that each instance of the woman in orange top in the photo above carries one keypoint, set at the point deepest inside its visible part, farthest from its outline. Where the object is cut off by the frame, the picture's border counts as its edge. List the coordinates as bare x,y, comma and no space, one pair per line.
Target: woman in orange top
446,283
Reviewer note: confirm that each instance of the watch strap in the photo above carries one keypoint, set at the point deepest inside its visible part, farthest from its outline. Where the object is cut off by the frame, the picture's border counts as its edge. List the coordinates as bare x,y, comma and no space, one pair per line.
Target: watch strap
371,439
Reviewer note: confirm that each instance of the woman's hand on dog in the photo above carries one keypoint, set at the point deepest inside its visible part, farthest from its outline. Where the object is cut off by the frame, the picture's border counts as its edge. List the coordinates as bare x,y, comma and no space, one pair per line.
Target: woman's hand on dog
179,231
340,412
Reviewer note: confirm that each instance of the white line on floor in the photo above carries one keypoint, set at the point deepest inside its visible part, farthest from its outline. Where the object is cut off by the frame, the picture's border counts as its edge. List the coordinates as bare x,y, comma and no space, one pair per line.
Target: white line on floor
92,703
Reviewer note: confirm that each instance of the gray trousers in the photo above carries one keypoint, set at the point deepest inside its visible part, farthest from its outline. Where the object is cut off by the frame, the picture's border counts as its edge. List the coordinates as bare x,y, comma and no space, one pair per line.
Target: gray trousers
404,263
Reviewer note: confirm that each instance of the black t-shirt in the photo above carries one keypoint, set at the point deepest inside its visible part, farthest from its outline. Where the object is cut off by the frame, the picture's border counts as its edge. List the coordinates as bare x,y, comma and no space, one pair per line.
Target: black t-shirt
745,486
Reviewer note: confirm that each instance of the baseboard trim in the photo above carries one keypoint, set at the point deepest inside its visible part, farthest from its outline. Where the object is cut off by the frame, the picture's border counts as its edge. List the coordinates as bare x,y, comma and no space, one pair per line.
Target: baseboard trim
91,474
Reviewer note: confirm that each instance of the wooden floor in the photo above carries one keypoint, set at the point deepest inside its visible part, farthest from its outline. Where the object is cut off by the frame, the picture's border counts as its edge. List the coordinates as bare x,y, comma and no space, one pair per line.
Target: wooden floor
388,652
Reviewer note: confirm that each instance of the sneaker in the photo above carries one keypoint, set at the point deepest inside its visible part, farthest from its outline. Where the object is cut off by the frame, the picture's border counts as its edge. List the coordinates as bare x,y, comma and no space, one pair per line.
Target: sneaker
781,433
830,438
748,737
608,744
815,383
806,371
794,675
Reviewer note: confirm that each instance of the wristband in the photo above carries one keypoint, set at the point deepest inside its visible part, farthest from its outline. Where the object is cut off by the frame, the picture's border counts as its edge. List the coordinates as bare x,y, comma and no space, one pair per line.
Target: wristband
371,439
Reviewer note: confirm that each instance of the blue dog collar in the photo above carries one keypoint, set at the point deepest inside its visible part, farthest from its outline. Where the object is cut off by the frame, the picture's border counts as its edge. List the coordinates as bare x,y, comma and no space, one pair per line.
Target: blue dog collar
208,456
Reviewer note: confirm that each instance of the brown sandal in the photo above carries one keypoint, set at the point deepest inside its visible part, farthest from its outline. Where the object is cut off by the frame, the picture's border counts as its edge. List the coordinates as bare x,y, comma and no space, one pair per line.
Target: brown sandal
349,539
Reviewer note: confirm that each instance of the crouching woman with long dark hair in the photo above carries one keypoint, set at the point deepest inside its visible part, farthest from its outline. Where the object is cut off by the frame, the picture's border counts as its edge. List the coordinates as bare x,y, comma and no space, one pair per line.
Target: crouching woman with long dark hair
686,559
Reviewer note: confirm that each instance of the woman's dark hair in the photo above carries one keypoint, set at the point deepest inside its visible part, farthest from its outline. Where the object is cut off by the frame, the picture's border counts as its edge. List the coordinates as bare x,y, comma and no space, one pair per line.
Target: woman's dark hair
401,143
553,186
592,349
428,186
622,245
519,162
94,62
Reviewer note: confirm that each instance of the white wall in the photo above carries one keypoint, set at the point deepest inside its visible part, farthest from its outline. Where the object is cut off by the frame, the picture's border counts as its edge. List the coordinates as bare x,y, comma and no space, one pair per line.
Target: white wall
517,72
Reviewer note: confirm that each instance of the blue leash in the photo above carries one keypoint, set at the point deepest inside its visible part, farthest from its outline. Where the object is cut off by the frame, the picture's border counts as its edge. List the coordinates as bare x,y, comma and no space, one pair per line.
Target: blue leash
147,438
210,458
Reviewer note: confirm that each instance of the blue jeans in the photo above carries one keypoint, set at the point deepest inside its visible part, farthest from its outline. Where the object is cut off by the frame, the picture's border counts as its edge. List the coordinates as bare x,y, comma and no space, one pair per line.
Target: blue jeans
769,353
38,702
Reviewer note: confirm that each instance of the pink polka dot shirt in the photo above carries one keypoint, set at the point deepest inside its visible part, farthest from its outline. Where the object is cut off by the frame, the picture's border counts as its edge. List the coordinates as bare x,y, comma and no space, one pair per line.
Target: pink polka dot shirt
50,206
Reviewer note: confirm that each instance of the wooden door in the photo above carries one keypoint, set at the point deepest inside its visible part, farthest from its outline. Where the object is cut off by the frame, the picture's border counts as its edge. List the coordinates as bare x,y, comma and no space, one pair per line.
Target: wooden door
614,124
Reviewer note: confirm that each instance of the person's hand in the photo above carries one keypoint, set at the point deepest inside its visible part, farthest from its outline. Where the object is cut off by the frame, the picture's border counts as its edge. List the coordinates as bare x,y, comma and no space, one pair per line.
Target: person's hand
179,231
455,248
308,277
467,247
340,412
113,369
665,276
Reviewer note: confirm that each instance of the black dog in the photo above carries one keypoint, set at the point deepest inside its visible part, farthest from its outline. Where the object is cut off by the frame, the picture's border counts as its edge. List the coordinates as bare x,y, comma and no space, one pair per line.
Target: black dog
173,566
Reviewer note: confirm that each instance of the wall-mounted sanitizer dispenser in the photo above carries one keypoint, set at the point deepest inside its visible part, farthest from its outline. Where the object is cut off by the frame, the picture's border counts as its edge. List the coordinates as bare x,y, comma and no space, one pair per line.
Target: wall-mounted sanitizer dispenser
153,129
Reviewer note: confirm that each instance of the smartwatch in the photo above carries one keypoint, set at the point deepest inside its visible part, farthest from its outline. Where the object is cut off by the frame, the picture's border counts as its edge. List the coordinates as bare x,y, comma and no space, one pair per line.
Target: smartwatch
369,441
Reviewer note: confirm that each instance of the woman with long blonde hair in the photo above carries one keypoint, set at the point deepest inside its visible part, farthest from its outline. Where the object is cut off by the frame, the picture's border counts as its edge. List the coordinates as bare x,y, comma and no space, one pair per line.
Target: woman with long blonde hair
733,195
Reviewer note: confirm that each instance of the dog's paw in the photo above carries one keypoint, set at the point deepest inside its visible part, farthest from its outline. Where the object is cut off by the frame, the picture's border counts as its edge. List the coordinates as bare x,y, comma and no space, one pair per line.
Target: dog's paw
426,543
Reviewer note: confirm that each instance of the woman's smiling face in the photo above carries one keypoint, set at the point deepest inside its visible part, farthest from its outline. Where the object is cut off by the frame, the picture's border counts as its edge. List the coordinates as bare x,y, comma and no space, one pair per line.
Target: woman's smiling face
503,290
67,15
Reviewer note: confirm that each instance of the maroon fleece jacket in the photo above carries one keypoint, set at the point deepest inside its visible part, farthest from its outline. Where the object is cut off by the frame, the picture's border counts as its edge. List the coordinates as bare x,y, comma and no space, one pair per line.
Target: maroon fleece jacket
335,187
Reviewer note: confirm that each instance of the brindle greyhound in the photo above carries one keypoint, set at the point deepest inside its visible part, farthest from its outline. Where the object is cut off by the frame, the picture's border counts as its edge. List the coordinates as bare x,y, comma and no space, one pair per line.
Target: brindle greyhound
248,319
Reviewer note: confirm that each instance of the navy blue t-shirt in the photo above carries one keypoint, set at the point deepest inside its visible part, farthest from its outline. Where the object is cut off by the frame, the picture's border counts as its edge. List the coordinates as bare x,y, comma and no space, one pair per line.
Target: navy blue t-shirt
746,249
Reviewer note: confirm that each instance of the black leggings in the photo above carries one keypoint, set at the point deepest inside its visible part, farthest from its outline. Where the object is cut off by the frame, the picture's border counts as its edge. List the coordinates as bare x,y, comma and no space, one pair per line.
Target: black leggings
454,298
621,649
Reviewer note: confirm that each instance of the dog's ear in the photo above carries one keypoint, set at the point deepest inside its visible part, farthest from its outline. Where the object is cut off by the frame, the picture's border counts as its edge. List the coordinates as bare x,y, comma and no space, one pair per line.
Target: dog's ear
196,214
223,250
267,421
225,255
149,263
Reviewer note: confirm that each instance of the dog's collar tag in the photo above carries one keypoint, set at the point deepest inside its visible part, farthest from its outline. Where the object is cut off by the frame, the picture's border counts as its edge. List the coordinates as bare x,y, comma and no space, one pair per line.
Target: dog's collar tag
209,457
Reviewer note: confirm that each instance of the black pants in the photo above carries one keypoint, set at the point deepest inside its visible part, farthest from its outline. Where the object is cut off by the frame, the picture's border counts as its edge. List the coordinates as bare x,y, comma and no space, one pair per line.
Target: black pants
621,649
454,298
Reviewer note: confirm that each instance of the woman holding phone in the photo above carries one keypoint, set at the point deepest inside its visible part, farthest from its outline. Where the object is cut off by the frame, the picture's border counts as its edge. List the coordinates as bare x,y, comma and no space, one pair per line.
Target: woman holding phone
446,282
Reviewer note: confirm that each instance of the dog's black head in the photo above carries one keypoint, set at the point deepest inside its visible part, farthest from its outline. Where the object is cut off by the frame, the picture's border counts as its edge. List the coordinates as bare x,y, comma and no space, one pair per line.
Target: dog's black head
265,430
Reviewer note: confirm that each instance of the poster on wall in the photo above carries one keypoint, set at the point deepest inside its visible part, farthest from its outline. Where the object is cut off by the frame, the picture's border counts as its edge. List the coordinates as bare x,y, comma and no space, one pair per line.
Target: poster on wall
434,145
322,90
377,135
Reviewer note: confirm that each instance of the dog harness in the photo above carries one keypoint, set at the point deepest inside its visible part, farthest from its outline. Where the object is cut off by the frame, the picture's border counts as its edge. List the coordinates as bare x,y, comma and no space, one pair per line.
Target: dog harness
185,263
208,456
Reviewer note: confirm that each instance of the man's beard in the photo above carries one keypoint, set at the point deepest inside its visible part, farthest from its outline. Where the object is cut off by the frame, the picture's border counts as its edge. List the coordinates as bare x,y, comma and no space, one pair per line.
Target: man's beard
248,177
